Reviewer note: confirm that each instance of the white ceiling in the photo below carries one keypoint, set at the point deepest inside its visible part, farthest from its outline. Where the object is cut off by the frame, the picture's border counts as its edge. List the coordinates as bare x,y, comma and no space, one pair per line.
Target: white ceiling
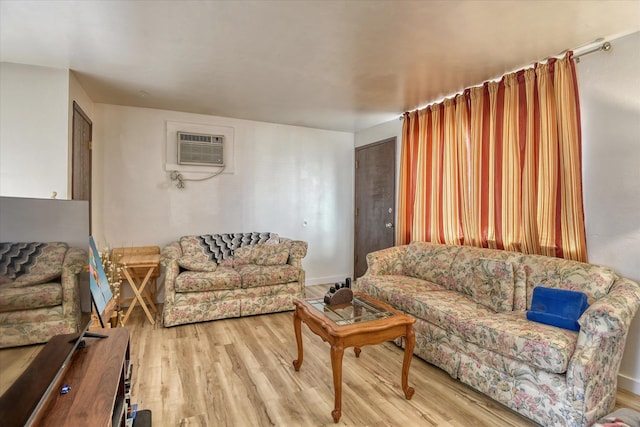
342,65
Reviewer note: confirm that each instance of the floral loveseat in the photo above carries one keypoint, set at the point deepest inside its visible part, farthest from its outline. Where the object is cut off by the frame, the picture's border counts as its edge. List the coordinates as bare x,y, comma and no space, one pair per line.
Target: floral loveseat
470,307
39,294
216,276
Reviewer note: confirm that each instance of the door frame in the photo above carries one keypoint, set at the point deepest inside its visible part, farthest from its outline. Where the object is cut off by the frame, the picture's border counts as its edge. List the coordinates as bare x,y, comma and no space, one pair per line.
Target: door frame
74,140
393,139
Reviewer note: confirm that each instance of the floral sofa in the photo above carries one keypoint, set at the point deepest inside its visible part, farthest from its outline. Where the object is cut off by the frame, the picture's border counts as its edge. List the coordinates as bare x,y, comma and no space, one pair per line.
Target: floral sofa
470,307
217,276
39,293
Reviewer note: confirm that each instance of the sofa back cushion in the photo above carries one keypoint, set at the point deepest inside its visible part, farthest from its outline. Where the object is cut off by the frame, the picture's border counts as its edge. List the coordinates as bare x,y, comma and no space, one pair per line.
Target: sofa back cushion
220,247
430,261
463,275
559,273
262,254
31,263
494,284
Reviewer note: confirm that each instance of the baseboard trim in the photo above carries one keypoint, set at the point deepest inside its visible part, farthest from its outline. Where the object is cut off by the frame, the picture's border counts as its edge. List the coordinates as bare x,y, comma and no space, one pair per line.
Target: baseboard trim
629,384
324,280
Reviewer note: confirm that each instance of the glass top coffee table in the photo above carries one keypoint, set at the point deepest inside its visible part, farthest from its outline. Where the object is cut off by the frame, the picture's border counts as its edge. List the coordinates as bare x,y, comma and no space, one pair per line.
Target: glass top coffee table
364,321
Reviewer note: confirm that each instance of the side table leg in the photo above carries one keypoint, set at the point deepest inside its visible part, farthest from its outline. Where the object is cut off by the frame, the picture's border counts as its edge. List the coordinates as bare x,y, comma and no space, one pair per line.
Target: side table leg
297,364
337,351
410,342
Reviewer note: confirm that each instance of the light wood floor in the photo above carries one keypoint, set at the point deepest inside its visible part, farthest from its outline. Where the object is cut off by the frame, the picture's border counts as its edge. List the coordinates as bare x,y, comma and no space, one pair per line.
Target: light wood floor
239,372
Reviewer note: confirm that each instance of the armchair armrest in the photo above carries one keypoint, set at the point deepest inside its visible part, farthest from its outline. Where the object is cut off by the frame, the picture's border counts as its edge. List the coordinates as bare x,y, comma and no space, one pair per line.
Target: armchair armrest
75,260
386,261
593,368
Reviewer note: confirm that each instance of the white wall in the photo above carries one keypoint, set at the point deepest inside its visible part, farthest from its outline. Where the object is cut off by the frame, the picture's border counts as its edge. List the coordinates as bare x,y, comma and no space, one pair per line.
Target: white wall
609,85
34,135
282,176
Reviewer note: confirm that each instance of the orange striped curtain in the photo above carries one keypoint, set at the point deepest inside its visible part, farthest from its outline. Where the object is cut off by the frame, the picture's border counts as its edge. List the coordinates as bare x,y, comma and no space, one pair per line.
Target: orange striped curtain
498,166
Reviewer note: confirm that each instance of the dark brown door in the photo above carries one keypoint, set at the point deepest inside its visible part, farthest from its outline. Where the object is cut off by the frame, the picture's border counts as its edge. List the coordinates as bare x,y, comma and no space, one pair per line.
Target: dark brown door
81,162
375,200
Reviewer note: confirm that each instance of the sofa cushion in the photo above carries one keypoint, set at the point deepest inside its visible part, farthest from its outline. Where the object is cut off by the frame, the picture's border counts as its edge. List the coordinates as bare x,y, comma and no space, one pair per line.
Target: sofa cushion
512,335
493,284
449,310
219,247
398,291
30,297
195,263
593,280
262,275
262,254
464,264
198,281
430,261
30,279
5,280
38,258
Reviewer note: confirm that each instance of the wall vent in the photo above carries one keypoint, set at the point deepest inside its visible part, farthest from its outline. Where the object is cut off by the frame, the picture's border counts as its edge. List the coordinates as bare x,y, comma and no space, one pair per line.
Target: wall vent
200,149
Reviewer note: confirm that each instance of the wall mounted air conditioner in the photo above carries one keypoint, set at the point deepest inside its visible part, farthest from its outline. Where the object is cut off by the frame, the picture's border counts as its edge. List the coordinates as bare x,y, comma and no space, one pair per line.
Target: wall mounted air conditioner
200,149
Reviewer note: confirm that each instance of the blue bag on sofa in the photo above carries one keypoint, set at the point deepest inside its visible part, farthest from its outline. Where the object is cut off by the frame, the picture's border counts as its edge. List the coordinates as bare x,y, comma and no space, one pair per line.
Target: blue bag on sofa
557,307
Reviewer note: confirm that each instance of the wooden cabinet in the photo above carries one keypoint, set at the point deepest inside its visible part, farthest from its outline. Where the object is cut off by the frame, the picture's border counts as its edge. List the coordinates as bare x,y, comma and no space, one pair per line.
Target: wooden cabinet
96,375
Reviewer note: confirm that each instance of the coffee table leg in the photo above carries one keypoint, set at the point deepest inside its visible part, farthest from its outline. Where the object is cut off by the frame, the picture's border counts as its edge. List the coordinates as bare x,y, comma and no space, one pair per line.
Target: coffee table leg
337,351
410,342
297,364
357,350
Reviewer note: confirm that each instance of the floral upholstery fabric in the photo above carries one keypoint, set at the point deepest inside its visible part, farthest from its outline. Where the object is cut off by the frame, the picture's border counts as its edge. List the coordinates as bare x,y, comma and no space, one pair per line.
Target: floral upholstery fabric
430,262
254,276
31,263
493,284
29,297
238,286
553,376
197,281
31,314
549,272
195,263
262,254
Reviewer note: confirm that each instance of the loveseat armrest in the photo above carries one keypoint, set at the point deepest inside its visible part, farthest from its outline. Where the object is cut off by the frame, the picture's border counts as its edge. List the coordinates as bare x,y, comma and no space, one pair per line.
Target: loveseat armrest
169,259
593,368
170,253
386,261
297,251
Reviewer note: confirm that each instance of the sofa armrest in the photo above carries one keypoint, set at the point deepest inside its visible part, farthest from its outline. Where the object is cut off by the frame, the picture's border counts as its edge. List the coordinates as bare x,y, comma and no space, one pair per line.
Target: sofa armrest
169,259
297,251
386,261
612,314
593,368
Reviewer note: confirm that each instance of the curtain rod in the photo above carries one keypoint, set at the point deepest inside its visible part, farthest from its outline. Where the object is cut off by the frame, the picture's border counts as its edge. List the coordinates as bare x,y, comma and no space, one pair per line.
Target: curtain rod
606,47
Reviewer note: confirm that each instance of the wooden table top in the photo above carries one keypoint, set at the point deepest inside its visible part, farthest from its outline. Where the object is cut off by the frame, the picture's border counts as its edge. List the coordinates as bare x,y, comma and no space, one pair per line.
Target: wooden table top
140,260
329,325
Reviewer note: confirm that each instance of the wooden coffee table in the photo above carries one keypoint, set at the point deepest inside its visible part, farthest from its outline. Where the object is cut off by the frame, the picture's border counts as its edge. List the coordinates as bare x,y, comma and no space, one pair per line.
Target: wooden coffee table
364,321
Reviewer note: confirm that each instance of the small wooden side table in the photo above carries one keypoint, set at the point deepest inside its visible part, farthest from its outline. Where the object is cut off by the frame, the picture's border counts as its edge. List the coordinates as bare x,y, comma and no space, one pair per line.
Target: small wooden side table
140,266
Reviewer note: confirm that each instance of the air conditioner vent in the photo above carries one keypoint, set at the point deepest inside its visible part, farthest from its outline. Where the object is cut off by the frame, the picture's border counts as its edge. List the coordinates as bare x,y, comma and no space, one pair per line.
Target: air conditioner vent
200,149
